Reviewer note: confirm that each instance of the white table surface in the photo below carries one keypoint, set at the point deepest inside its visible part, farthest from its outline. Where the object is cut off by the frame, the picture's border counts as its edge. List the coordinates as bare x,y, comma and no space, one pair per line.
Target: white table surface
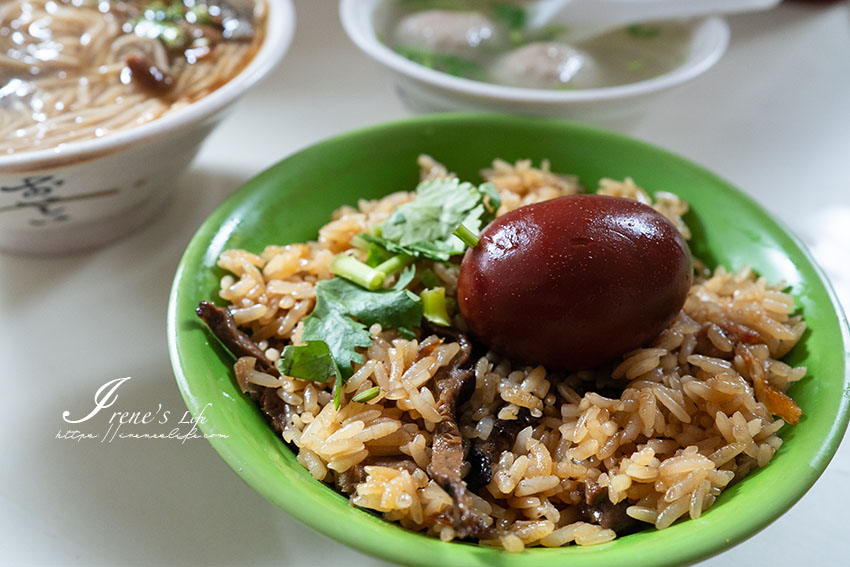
773,117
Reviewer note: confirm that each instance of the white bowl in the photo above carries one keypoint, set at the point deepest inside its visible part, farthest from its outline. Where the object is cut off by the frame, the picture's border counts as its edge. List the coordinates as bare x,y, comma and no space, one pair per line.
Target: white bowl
87,193
426,90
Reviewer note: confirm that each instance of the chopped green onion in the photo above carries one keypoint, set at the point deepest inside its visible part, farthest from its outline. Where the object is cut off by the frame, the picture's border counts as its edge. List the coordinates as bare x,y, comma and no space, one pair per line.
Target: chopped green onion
394,264
512,16
356,271
170,34
199,14
367,395
467,236
491,200
451,64
359,242
162,12
550,32
434,306
643,32
377,255
337,394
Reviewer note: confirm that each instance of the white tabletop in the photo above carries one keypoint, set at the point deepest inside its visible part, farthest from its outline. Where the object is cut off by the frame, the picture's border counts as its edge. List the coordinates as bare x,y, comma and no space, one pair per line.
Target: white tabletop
773,117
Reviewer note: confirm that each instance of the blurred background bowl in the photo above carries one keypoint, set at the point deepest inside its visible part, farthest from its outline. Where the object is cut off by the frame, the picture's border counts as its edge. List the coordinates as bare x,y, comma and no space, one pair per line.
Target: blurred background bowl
425,90
87,193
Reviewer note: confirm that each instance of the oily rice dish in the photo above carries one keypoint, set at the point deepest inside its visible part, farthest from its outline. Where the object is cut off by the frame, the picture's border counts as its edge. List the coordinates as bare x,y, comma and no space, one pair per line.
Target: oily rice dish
435,431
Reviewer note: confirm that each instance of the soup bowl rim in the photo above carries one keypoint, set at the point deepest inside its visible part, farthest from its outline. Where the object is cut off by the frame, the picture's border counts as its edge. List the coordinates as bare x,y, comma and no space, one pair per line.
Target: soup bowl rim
357,20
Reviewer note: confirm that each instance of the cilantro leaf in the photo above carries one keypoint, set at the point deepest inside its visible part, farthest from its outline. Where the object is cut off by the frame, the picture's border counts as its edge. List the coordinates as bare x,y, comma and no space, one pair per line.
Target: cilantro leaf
395,308
312,361
341,333
491,199
424,226
420,249
339,323
404,278
440,206
344,311
376,255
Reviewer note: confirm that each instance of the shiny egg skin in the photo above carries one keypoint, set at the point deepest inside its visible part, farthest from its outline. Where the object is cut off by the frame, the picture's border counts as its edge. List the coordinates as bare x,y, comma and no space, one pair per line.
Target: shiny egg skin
574,282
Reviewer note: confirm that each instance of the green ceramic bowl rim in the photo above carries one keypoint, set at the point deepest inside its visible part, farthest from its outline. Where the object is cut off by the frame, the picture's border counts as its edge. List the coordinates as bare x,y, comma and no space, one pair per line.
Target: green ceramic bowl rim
392,543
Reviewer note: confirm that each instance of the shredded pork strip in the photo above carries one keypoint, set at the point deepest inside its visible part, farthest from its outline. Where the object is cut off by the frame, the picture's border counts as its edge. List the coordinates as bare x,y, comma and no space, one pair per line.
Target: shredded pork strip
222,325
447,447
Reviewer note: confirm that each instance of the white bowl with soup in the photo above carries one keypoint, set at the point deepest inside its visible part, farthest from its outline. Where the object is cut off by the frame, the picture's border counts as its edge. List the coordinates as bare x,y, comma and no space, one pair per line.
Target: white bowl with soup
103,103
476,54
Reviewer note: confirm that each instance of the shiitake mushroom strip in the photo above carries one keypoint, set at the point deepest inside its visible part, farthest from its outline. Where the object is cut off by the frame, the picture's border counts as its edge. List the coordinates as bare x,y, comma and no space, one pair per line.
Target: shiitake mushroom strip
447,448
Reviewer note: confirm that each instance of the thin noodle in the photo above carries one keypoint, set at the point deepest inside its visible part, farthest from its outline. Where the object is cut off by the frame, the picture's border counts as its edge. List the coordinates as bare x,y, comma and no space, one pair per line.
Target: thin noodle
69,73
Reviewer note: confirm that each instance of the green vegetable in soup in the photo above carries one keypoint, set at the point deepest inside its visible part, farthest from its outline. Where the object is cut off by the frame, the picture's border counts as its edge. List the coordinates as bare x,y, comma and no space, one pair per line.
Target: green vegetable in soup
199,14
643,31
451,64
511,15
168,33
162,20
447,37
418,5
160,11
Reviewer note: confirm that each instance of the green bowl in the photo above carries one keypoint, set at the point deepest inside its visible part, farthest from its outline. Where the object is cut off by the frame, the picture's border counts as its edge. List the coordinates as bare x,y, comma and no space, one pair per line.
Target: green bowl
291,200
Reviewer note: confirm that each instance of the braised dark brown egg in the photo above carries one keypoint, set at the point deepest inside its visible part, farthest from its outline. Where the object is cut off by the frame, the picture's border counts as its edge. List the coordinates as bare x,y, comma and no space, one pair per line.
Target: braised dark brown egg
574,282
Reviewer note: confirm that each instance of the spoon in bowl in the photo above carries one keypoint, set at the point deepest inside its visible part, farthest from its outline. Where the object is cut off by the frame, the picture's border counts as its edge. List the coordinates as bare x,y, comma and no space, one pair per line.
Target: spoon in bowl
585,19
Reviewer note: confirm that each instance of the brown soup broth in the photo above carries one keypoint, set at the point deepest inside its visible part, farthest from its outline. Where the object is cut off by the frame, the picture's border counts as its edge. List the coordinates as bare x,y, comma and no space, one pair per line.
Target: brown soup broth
78,69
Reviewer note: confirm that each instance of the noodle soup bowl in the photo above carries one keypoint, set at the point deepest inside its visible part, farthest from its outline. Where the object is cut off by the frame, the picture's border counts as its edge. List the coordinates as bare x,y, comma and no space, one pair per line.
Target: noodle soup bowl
620,107
86,193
